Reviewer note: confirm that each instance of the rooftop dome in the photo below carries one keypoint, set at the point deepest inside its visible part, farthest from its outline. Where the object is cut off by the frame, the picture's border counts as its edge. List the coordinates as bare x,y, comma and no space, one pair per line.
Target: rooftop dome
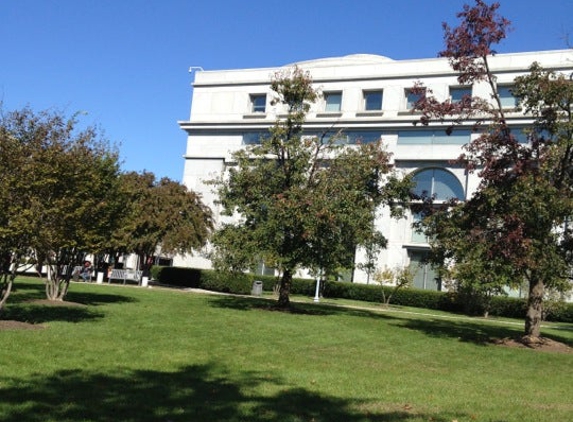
352,59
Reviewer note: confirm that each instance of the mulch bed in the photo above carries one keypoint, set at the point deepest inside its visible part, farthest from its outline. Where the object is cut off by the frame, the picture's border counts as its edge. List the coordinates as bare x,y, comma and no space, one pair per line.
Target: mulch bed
544,345
18,325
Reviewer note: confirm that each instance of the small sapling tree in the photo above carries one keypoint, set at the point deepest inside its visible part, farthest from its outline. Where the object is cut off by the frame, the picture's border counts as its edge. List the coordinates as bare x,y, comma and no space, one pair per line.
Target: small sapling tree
393,279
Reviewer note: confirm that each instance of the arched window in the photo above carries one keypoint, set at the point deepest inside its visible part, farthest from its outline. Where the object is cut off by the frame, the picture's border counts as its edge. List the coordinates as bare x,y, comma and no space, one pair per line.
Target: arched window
439,184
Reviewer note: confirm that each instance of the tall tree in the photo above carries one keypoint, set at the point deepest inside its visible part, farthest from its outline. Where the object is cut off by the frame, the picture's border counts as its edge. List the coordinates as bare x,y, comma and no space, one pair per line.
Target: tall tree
302,201
58,193
515,228
160,214
13,236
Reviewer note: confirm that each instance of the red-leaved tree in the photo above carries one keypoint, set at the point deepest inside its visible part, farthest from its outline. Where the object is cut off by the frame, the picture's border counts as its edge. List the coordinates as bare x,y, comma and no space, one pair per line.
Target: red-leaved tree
515,229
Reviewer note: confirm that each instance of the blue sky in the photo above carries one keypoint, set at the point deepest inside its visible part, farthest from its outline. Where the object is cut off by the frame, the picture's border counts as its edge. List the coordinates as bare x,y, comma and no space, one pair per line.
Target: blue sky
125,62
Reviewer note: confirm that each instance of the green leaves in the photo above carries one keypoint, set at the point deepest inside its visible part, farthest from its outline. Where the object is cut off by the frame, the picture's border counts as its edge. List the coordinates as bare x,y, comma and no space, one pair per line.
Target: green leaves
160,213
515,227
301,201
58,179
62,196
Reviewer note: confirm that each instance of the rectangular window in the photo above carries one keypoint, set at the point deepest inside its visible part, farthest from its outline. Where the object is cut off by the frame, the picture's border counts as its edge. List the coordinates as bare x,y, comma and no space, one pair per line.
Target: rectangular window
372,100
411,98
459,92
333,101
345,137
418,236
254,138
258,103
425,136
425,277
508,100
363,136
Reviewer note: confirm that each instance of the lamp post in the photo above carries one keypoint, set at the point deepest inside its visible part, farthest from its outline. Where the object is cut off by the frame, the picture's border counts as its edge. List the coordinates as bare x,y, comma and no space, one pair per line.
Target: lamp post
317,291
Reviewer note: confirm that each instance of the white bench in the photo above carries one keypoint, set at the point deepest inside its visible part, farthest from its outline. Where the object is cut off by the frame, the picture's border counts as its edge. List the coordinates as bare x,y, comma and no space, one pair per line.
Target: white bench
125,275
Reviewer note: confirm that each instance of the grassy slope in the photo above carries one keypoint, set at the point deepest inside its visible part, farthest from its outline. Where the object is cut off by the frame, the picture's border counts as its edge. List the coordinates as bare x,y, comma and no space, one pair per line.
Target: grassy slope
138,354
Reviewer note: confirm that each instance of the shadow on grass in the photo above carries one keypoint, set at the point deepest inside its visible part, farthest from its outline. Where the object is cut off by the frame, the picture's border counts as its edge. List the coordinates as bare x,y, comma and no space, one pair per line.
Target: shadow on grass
27,291
29,305
40,313
98,298
194,393
464,329
252,303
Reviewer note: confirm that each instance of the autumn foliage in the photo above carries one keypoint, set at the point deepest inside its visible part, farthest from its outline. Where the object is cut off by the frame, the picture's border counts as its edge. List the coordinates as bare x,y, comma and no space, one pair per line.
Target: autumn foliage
515,229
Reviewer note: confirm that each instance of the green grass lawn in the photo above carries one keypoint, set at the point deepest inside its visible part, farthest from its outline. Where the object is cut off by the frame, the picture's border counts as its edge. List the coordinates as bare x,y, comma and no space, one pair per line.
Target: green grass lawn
136,354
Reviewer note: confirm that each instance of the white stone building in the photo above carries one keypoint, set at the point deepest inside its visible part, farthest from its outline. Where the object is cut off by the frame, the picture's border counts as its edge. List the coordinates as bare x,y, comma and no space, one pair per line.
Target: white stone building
366,96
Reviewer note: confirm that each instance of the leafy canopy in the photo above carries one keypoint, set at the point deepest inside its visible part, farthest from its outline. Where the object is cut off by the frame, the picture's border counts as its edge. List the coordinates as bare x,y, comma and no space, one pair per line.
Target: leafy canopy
515,228
302,201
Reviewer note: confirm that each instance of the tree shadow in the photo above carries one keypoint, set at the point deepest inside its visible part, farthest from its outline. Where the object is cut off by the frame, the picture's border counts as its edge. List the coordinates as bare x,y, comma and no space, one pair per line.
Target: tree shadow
242,303
32,313
480,332
193,393
19,285
25,292
462,330
29,305
94,299
465,330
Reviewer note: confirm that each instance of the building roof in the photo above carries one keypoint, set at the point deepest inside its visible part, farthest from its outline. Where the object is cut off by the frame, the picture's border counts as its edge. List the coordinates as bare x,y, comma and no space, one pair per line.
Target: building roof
351,59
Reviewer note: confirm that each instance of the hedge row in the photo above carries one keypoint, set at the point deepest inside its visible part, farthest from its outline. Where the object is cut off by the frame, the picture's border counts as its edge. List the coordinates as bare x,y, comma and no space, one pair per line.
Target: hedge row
242,284
203,279
223,282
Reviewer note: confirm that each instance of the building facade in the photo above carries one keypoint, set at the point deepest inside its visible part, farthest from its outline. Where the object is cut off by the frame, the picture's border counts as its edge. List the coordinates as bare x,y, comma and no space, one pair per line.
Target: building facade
368,98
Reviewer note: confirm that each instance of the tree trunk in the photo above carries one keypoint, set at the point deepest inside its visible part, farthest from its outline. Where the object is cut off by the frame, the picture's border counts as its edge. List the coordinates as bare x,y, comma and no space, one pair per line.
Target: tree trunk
56,285
7,276
534,309
6,288
284,291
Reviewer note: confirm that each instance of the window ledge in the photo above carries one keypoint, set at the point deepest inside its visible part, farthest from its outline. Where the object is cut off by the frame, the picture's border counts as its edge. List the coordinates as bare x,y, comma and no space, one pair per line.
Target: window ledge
329,114
370,113
409,113
254,116
416,246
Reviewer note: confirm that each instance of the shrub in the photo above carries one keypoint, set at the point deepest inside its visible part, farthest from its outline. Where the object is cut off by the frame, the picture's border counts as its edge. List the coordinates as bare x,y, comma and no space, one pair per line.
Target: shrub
370,293
156,271
562,313
180,276
510,307
429,299
227,282
303,286
238,283
353,291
